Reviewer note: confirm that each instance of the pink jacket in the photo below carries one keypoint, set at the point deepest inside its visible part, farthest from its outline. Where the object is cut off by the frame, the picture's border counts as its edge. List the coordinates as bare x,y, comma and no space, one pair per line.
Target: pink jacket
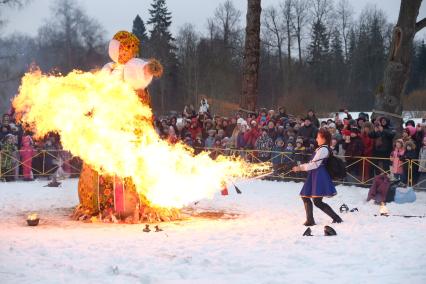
396,162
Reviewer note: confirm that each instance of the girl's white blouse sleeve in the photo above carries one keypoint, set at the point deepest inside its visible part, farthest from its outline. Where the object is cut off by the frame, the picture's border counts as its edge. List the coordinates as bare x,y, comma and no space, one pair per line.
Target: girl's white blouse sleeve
320,154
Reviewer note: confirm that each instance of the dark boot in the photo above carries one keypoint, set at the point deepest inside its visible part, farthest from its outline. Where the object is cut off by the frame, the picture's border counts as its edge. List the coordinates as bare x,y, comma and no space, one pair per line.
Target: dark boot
327,210
309,212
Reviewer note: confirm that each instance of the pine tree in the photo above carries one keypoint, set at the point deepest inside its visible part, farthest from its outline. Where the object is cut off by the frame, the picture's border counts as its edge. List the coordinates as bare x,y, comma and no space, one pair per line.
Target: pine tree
160,20
161,46
139,30
319,53
337,68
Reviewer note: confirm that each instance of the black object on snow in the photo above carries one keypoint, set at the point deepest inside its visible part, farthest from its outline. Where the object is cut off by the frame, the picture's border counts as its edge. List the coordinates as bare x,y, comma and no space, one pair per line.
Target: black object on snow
344,208
237,189
329,231
147,229
354,209
308,233
157,229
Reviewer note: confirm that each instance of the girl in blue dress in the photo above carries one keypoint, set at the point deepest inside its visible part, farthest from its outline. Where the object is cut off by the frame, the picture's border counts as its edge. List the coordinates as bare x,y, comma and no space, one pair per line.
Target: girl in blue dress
318,183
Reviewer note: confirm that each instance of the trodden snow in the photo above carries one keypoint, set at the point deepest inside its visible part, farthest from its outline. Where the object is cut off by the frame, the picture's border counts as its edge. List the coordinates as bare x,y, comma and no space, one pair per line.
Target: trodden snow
263,245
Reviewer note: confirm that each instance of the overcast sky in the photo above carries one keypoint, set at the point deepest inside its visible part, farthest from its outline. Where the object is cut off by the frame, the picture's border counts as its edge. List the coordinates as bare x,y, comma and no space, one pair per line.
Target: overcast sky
115,15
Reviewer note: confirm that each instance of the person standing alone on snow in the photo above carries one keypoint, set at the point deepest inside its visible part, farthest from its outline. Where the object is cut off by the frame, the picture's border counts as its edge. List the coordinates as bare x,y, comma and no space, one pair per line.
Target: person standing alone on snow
318,184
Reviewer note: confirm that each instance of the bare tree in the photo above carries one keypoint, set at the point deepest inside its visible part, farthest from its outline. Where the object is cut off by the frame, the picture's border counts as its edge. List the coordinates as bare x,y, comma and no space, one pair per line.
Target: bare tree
345,12
274,30
287,10
251,56
186,43
388,101
300,19
321,9
227,19
70,35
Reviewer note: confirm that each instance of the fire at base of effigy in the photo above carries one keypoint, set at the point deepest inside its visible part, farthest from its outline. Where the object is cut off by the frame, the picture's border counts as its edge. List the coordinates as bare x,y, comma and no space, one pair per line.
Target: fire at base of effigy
104,117
118,141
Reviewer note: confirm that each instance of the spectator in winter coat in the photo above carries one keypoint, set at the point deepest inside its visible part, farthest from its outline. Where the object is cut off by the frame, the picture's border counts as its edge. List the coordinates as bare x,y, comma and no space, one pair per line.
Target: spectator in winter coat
409,155
271,130
264,145
379,190
263,118
334,146
277,155
422,168
7,157
396,159
300,151
195,129
367,141
173,139
27,153
251,136
311,115
198,145
5,130
308,130
209,142
241,142
383,140
354,148
282,113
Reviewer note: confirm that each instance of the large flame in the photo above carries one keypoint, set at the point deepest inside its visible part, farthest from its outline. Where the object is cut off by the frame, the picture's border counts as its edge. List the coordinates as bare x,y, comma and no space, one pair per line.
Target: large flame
101,119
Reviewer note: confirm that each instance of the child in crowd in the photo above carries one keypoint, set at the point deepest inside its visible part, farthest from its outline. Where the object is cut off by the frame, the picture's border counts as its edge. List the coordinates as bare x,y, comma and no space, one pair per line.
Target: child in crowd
277,155
396,159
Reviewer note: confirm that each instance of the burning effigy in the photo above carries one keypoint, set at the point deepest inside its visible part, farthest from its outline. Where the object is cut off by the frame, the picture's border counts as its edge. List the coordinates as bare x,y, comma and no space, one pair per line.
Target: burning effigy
105,118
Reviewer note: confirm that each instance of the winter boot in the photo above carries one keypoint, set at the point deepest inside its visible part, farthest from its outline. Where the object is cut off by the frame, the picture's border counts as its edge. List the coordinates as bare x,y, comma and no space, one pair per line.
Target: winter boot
327,210
309,212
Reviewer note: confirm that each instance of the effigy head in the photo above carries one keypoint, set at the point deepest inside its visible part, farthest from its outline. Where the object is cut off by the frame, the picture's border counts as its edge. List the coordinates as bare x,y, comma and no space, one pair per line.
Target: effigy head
123,47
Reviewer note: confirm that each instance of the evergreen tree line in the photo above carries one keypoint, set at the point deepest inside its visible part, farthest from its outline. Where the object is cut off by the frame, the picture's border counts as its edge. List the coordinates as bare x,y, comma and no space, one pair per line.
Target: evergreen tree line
314,54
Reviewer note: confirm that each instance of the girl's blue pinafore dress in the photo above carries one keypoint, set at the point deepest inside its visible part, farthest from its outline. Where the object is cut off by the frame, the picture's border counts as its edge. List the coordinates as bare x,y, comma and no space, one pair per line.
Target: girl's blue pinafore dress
318,183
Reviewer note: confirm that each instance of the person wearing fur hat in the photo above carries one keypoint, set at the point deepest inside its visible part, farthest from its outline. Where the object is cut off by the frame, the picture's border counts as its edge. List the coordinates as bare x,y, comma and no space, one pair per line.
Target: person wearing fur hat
318,183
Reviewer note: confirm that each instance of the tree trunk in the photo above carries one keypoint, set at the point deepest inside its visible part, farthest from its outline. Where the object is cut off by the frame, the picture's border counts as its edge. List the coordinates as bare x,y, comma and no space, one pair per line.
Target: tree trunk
251,56
388,101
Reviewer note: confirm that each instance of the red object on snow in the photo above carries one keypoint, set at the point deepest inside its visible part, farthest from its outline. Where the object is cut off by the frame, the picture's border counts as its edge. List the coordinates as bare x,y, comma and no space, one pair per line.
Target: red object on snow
224,191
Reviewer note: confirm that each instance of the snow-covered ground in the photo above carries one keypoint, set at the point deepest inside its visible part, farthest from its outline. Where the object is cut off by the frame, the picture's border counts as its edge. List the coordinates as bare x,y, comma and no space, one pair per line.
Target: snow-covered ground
263,245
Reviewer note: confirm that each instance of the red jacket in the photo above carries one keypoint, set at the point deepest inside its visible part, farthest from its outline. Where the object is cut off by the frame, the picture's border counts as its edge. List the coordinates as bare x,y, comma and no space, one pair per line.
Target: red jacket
251,136
368,144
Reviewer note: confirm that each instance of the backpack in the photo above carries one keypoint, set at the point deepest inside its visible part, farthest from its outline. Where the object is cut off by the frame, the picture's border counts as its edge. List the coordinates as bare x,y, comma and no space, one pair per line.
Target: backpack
335,167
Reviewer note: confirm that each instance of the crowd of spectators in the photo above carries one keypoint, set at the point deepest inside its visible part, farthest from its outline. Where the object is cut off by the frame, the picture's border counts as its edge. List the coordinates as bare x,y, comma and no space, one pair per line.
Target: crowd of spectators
270,135
23,157
269,132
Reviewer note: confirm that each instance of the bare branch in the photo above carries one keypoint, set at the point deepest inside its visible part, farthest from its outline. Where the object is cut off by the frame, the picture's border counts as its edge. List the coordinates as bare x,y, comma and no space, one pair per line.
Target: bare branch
420,24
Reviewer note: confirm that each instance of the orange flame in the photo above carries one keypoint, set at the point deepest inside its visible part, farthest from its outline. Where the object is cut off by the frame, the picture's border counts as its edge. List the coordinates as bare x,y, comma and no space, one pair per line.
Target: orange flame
101,119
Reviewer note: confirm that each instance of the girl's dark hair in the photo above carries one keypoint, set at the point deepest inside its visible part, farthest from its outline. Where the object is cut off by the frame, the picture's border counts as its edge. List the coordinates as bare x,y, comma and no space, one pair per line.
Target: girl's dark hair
324,133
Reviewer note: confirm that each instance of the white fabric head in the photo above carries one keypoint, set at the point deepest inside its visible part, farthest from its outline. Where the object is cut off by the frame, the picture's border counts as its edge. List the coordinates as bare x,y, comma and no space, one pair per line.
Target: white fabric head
134,74
114,50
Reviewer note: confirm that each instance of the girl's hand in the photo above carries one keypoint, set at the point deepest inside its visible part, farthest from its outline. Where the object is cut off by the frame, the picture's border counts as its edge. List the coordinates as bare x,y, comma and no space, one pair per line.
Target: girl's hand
296,169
